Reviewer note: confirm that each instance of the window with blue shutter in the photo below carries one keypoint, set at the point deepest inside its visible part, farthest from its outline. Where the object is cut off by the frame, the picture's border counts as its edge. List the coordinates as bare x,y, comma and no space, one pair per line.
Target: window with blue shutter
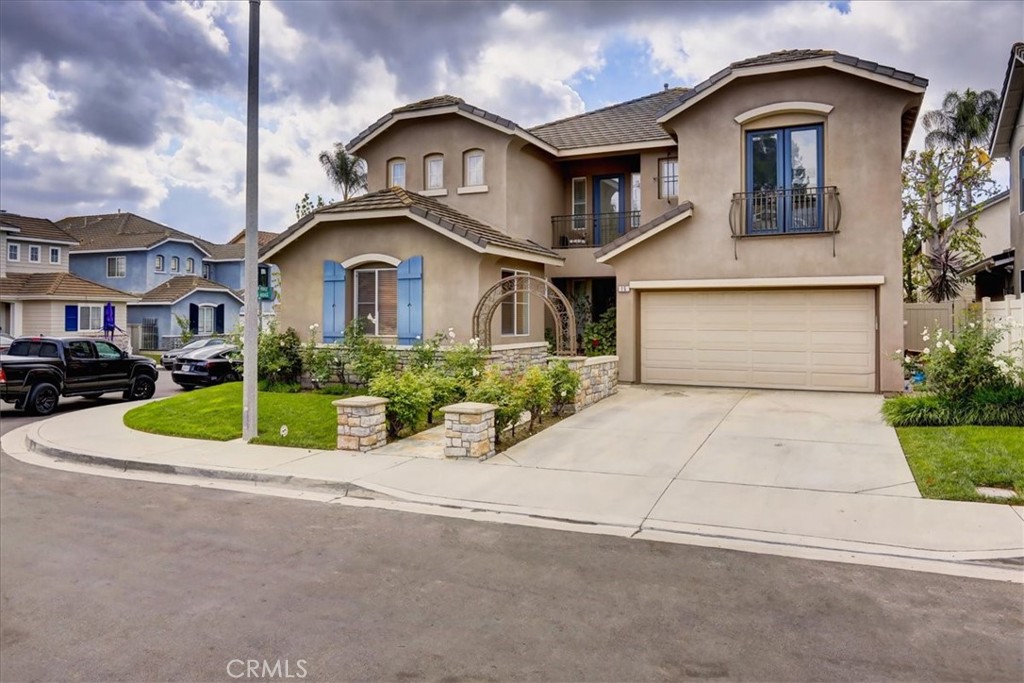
334,302
410,300
71,318
193,318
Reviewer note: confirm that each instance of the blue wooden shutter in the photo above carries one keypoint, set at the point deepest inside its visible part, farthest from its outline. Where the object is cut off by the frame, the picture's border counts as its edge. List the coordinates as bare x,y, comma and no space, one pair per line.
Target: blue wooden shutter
193,318
334,302
410,300
218,324
71,318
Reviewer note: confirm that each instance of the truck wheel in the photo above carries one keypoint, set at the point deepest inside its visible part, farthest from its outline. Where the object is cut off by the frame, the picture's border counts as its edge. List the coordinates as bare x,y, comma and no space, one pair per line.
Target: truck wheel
142,388
42,400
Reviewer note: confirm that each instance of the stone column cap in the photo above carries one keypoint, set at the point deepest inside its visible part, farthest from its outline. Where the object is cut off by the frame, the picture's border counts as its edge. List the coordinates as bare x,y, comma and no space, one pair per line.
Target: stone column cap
469,408
359,402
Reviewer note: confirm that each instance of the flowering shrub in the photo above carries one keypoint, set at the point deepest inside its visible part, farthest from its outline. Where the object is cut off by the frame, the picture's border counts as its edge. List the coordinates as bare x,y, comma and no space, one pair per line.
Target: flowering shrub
409,396
535,388
367,358
495,388
564,385
279,355
464,362
321,362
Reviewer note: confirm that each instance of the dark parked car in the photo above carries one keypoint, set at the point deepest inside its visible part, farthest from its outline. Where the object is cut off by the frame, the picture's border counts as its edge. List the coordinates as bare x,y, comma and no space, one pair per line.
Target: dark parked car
167,358
208,366
5,342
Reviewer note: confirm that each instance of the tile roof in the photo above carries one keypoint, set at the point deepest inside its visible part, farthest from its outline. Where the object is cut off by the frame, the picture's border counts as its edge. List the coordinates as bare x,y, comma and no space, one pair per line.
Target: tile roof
397,198
622,123
119,231
631,235
1011,98
58,285
228,252
264,237
790,56
431,103
181,286
36,228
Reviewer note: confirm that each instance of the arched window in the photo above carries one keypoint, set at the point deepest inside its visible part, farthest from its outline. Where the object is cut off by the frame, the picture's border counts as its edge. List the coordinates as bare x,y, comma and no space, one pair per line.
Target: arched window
473,168
376,298
175,264
396,173
433,172
159,263
190,265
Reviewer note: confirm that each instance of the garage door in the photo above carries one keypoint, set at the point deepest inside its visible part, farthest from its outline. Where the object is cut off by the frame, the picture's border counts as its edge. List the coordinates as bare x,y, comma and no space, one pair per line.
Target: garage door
783,339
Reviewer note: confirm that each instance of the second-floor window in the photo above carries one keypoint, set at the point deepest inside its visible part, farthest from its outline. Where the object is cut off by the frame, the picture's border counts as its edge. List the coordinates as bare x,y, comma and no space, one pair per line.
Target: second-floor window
116,266
785,169
206,271
634,200
54,254
434,172
13,252
190,265
396,173
175,264
668,178
34,254
159,263
473,173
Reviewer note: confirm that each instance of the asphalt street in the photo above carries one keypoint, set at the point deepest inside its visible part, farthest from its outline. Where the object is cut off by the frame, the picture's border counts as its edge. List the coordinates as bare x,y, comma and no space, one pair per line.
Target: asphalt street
113,580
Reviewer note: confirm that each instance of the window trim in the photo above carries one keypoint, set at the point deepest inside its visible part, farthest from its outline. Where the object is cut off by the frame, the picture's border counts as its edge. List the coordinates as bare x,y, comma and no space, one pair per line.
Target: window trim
119,273
427,161
175,264
54,250
515,301
159,264
213,319
392,164
376,298
38,251
190,265
17,251
207,271
665,181
466,156
100,316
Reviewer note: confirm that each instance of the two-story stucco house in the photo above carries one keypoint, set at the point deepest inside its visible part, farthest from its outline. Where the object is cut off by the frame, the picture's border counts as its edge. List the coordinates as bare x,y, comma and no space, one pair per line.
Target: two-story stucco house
172,273
747,230
38,295
1008,143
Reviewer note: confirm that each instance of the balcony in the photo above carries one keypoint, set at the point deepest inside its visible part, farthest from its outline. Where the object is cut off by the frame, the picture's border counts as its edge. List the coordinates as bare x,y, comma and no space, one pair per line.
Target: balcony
785,211
591,229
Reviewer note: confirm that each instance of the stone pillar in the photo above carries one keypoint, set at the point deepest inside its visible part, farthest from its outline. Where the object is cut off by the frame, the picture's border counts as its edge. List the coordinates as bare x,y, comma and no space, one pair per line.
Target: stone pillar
361,423
469,430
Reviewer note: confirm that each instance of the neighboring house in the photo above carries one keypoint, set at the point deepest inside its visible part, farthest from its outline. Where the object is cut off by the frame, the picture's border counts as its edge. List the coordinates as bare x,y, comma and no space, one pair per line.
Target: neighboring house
993,274
264,237
37,293
1008,143
210,307
133,253
709,217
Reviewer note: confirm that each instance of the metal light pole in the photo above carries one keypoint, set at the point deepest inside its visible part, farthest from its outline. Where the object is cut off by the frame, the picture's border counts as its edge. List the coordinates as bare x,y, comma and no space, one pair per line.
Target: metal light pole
252,298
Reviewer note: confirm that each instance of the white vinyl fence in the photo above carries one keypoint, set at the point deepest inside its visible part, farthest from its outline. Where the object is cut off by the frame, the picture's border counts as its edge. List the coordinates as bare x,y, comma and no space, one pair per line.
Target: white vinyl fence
1009,313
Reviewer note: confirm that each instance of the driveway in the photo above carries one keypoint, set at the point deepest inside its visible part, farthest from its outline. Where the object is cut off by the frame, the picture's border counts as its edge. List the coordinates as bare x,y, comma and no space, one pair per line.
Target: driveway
813,441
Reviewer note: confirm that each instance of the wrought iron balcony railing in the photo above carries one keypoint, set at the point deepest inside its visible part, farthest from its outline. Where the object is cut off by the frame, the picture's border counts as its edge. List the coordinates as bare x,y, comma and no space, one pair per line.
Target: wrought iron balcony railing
591,229
785,211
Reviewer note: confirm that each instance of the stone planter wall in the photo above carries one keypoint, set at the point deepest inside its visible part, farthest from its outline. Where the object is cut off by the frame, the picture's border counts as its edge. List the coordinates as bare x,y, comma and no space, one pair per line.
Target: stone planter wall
516,358
469,430
599,379
361,423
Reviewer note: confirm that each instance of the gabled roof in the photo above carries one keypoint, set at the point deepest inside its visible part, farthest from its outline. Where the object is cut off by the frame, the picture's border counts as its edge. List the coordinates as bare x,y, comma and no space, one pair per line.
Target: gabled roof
787,60
122,231
631,238
42,229
264,237
177,288
227,252
619,124
440,217
1010,102
58,286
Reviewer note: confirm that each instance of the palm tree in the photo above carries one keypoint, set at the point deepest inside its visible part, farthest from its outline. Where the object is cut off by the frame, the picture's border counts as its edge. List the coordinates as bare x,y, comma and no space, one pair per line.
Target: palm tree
963,124
346,171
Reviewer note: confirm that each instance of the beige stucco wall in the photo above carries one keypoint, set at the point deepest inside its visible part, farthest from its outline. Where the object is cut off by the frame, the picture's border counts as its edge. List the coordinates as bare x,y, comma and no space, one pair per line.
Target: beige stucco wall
454,276
23,265
490,273
534,193
1016,217
862,157
994,224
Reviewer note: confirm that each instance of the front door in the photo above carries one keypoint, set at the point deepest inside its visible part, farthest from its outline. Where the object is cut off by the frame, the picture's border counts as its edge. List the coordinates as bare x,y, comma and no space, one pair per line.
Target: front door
609,208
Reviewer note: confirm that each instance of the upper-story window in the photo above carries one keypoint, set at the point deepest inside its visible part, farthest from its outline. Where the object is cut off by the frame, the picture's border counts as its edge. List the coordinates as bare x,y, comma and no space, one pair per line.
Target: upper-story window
190,265
206,271
433,172
54,254
396,173
473,171
634,200
13,252
34,253
159,267
668,178
175,264
784,184
116,266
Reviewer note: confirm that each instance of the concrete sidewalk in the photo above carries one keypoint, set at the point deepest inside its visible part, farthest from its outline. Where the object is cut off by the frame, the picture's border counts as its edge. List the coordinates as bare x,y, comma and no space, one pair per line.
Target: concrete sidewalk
870,527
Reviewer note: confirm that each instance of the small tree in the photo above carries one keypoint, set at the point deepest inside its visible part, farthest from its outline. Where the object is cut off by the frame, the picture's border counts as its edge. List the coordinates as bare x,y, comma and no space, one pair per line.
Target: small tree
346,172
306,206
186,334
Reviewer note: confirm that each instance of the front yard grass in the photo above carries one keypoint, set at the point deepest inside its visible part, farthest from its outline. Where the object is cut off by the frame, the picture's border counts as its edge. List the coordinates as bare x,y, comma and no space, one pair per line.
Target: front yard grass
216,413
948,462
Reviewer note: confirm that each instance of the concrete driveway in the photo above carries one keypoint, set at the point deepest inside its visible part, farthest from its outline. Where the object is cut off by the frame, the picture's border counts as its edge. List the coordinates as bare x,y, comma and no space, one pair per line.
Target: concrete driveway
781,439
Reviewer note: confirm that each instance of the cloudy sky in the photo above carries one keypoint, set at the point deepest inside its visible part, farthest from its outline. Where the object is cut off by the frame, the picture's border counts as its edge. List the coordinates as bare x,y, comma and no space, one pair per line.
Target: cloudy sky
141,105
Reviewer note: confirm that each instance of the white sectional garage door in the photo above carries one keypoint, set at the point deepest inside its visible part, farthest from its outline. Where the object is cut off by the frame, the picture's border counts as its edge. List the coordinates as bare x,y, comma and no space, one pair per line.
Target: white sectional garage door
782,339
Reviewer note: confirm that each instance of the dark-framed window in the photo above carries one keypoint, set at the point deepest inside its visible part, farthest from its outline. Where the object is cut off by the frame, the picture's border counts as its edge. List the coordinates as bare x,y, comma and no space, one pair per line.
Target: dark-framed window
668,178
116,266
785,169
376,300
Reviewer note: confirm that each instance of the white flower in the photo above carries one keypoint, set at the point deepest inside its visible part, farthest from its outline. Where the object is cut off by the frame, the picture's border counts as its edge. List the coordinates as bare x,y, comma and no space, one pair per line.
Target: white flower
925,337
938,333
284,431
476,373
451,333
924,350
314,327
949,345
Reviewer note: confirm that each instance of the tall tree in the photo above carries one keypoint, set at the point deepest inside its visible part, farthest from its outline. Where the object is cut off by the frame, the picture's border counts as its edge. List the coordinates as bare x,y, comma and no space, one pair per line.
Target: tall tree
306,205
346,171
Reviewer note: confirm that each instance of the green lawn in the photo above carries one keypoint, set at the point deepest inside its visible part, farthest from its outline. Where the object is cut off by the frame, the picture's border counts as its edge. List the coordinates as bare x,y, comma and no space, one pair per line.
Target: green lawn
948,462
216,413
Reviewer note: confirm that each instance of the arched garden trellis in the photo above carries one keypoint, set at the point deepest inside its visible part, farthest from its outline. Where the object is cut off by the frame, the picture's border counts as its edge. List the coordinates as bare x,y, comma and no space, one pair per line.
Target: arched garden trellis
565,320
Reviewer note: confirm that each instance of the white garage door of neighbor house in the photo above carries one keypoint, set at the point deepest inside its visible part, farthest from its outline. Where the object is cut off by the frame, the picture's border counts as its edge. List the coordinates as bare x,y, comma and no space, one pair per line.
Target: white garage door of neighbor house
777,339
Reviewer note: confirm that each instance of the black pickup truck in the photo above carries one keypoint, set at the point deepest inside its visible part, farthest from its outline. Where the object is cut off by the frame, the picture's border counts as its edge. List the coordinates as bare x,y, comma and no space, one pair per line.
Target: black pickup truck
36,371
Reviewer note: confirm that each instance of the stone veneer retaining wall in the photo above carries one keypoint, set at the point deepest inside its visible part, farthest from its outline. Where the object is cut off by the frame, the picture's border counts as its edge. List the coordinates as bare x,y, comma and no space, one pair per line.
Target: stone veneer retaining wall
469,430
599,379
361,423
